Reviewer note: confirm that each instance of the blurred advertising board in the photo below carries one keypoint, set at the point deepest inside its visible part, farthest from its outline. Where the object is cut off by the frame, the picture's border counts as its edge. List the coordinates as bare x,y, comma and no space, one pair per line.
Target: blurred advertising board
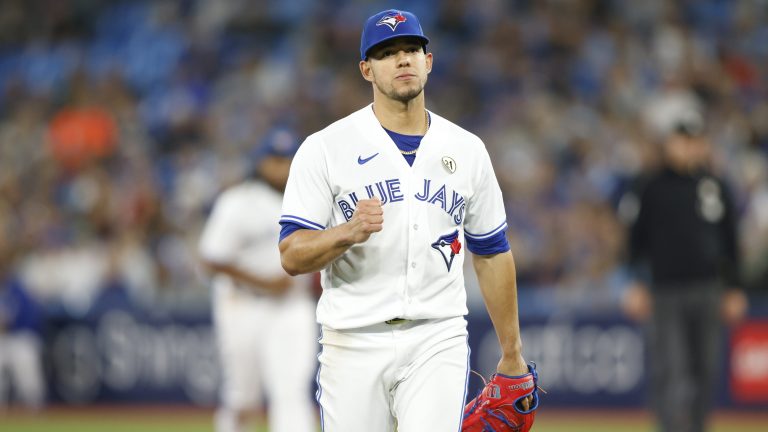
582,361
120,354
749,362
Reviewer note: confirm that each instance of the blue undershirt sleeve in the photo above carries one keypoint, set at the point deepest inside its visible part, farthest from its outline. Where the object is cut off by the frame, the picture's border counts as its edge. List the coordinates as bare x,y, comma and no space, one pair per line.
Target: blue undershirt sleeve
287,228
494,244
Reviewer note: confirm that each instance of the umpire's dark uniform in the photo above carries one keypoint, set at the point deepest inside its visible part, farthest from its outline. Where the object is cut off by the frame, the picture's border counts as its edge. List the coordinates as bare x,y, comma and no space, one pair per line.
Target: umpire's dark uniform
683,237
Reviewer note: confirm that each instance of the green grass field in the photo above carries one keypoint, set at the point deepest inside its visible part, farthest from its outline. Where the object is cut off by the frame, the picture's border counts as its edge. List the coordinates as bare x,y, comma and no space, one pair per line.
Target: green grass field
156,419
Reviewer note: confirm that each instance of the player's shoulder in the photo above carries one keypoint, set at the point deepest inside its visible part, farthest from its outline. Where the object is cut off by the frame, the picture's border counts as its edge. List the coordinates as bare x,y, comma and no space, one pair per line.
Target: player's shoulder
449,129
347,122
349,127
335,134
336,137
451,133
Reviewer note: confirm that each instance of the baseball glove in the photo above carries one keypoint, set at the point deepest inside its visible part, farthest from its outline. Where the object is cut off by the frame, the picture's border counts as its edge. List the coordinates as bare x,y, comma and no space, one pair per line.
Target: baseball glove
498,409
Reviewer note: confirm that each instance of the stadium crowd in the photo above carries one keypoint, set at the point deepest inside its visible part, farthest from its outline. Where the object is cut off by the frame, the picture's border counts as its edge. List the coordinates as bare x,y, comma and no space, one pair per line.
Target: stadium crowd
121,121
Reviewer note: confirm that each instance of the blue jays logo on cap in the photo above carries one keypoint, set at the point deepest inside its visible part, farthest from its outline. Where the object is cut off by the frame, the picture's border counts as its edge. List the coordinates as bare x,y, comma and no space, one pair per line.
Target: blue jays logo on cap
392,21
389,24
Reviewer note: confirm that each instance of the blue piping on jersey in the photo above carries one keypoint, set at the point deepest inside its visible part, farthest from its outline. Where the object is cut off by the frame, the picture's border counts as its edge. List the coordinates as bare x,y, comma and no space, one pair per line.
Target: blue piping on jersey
301,221
466,385
317,380
486,235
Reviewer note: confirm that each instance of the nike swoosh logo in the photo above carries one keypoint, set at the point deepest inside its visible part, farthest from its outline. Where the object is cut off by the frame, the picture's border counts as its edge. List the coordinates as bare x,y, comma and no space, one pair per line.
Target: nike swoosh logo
361,161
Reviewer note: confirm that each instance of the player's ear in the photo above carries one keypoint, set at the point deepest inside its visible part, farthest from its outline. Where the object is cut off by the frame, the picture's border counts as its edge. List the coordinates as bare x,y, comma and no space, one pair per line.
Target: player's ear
428,59
366,71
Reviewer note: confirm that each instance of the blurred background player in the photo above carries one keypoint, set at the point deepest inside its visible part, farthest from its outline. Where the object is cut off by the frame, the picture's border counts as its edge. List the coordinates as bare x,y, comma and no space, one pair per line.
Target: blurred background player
21,369
264,319
684,251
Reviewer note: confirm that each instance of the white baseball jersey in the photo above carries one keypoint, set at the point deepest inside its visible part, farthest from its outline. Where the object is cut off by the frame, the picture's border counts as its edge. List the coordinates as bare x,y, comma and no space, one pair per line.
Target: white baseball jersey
412,269
241,232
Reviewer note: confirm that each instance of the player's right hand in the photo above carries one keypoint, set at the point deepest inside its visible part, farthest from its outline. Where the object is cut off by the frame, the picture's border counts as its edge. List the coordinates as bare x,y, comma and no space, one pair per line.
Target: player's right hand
367,219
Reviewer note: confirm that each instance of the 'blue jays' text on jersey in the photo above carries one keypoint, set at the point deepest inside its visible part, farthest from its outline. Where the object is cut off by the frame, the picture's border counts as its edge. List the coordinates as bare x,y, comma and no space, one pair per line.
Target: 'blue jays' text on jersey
412,268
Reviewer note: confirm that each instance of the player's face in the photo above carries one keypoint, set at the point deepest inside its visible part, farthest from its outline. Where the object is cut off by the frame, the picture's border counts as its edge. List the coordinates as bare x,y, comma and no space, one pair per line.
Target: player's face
398,68
687,153
274,170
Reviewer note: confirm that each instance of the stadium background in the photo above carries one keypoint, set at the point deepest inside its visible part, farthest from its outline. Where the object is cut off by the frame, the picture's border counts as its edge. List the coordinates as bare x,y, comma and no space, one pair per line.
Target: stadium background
121,121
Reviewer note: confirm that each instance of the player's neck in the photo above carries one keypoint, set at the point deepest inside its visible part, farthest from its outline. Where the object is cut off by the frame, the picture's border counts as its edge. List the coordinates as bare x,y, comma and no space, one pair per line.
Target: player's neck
407,118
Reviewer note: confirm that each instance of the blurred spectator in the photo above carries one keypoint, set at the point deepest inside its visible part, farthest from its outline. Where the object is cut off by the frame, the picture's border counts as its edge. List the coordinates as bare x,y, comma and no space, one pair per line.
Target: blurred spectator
684,251
130,117
83,130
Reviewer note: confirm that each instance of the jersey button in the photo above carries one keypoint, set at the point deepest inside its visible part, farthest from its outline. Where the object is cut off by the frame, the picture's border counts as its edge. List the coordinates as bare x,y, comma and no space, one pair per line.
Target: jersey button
413,265
415,227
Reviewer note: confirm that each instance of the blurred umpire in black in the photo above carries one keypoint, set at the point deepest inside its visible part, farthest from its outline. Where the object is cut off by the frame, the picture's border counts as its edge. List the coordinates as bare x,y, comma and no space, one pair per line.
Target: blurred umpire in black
683,249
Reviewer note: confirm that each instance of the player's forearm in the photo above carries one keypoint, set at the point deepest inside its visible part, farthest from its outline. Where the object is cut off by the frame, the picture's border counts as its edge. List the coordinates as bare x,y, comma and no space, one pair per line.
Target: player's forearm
275,285
307,251
496,276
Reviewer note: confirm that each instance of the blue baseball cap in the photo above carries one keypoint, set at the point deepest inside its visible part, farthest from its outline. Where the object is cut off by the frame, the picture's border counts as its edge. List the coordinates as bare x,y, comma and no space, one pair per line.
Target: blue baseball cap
278,141
389,24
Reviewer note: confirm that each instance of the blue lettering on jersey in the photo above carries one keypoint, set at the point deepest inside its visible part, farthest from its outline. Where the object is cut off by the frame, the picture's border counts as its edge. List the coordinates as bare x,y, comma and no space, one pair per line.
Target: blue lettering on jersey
424,195
383,196
459,216
353,197
457,208
389,191
456,211
439,196
346,209
386,191
393,189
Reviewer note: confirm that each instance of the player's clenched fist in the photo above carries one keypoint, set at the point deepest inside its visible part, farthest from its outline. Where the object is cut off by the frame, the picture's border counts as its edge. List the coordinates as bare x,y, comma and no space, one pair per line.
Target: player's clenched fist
367,219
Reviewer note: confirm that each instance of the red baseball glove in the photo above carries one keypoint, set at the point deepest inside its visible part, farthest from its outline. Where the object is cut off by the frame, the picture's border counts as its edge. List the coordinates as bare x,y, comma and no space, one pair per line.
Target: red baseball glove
498,409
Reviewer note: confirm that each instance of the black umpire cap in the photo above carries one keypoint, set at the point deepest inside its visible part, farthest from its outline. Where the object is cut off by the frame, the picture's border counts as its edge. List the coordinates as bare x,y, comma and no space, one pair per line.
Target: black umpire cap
689,124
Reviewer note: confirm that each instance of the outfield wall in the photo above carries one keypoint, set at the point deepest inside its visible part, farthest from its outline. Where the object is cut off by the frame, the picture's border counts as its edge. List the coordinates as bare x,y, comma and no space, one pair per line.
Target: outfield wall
120,354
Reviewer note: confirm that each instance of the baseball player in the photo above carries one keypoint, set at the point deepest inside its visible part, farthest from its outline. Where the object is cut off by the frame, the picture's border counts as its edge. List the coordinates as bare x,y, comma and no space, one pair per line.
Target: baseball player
263,318
386,202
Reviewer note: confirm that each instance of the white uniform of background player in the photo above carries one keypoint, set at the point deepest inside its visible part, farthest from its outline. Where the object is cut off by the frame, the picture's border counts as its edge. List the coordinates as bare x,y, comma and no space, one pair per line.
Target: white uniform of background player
389,239
264,319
